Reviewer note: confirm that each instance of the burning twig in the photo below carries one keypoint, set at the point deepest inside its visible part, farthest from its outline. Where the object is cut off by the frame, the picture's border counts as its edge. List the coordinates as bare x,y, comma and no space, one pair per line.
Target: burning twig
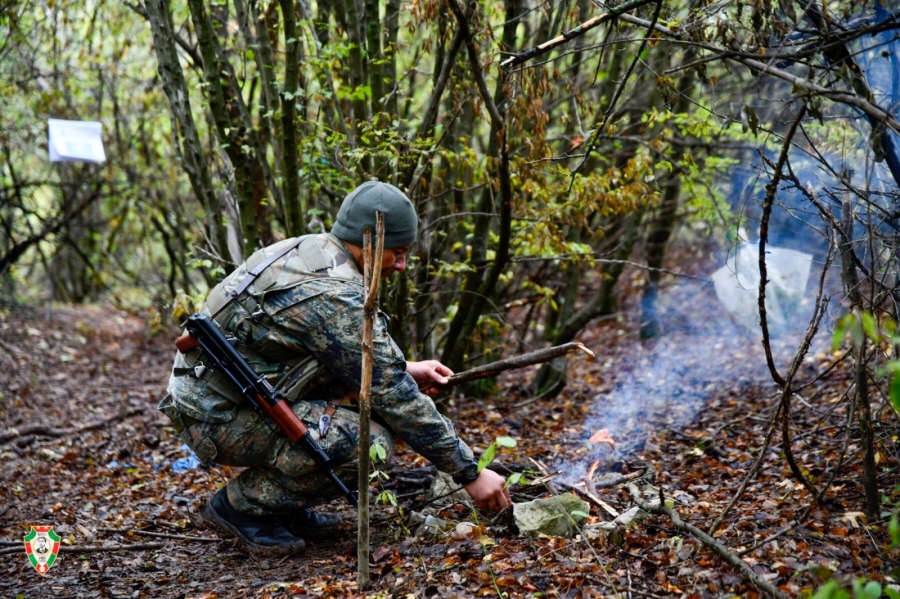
589,479
592,498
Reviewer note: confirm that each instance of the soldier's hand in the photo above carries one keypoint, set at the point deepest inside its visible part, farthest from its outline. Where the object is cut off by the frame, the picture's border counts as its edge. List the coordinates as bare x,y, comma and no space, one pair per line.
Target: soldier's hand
489,491
429,374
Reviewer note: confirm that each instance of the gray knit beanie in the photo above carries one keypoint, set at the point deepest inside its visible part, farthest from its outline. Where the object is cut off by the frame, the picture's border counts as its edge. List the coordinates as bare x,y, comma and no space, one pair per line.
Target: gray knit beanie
358,212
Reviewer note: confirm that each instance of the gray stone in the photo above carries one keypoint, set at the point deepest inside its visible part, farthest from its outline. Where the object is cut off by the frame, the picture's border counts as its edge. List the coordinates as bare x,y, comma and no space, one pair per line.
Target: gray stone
559,516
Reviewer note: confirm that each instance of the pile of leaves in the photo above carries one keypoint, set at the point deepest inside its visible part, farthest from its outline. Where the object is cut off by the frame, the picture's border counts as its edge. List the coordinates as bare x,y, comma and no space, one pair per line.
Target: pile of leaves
674,423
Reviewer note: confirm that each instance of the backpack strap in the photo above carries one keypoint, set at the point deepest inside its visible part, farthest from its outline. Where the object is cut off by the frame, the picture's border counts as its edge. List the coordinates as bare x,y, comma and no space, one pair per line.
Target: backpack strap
254,273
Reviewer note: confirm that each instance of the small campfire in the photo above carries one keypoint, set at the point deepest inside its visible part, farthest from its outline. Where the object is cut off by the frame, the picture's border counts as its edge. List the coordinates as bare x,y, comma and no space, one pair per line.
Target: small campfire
607,461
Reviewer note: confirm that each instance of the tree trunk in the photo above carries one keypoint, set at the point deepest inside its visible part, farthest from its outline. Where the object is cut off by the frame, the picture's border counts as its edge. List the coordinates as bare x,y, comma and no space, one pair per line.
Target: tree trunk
358,77
480,285
291,183
187,137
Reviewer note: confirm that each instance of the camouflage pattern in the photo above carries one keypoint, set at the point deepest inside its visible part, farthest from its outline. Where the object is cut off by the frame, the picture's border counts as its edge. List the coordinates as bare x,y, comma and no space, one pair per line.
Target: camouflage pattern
301,327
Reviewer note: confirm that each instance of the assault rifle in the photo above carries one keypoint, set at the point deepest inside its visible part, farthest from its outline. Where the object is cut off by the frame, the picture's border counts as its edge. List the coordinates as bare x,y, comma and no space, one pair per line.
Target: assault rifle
203,333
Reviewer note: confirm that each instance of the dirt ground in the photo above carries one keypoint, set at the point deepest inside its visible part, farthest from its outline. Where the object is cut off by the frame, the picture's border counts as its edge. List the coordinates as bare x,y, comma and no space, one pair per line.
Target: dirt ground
83,448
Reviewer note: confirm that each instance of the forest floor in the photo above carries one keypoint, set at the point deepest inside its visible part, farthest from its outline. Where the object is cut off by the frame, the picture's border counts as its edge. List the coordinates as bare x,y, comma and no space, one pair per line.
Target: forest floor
83,448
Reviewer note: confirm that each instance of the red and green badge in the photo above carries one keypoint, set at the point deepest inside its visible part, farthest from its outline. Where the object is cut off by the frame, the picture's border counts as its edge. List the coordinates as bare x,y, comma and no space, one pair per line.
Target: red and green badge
41,546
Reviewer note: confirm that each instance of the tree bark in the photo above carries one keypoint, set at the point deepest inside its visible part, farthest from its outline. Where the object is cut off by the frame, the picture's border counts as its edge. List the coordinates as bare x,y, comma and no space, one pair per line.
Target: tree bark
187,137
232,135
480,285
864,409
358,77
291,184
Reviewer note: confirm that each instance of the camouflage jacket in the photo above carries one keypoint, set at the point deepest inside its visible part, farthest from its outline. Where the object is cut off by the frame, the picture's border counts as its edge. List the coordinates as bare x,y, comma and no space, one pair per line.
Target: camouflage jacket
300,324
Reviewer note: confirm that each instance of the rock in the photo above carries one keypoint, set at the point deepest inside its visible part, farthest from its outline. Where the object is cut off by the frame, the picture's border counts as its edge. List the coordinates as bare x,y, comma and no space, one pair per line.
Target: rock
559,516
633,514
441,492
463,530
613,530
428,525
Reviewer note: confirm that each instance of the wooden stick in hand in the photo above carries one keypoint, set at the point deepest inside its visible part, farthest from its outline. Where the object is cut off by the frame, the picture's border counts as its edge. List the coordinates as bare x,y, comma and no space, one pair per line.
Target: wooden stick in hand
536,357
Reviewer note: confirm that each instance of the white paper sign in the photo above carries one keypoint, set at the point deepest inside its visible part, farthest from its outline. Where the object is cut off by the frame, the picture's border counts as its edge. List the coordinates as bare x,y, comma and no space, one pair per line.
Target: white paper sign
737,284
76,141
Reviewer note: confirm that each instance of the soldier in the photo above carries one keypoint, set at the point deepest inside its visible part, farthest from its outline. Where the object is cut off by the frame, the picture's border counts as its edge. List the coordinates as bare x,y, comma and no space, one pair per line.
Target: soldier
299,323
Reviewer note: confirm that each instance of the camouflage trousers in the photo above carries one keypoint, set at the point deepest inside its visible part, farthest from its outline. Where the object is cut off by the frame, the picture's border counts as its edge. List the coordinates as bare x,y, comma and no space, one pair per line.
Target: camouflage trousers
280,476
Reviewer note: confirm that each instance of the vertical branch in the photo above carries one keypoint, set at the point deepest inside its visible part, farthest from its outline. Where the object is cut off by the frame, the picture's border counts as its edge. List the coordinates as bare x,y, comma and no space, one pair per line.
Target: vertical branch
389,48
371,276
851,284
768,202
357,67
265,63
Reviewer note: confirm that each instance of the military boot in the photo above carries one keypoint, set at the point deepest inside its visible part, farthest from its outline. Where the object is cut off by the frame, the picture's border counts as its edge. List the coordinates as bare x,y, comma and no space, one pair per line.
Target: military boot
310,524
261,535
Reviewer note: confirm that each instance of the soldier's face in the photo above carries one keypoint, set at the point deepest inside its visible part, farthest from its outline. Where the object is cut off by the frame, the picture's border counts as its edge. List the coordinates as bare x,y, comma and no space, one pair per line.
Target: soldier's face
393,260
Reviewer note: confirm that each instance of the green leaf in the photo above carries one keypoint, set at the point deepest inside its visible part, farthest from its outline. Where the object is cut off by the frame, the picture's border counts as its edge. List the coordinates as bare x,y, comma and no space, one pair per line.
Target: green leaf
514,479
872,590
377,453
752,119
840,331
894,531
895,392
826,591
487,457
857,335
870,326
892,593
504,441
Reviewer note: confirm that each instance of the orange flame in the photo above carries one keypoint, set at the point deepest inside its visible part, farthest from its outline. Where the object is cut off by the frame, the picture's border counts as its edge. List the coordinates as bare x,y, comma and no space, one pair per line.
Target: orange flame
602,436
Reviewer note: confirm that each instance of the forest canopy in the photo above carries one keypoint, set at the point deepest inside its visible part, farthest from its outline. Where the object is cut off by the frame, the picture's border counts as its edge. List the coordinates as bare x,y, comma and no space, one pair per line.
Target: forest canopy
545,145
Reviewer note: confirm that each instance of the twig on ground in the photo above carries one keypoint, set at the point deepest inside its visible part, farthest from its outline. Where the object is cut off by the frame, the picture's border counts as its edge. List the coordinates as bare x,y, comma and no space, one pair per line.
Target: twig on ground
161,535
48,431
614,482
11,350
772,537
93,548
718,548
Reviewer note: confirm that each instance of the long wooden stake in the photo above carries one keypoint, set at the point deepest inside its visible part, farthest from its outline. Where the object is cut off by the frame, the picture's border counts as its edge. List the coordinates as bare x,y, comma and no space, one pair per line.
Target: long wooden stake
371,275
